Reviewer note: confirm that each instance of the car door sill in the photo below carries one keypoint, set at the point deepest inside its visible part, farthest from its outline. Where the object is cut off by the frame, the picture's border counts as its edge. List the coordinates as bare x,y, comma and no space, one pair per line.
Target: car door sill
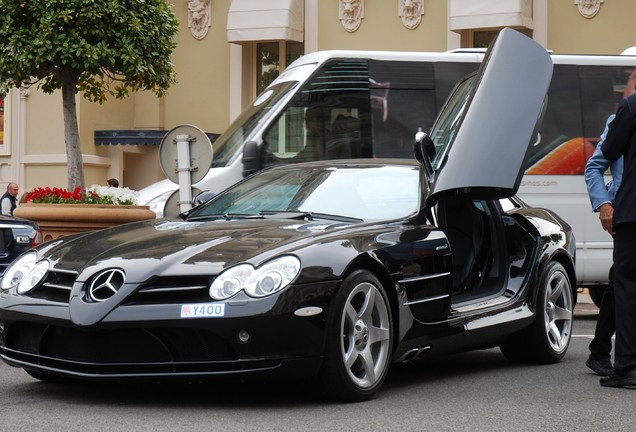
481,304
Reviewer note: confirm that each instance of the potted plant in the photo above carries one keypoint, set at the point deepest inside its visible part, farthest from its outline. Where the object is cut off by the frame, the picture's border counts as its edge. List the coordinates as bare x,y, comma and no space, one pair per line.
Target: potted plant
60,212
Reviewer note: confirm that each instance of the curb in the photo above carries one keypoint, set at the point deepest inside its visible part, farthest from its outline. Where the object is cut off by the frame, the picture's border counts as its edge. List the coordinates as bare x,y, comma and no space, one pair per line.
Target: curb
585,307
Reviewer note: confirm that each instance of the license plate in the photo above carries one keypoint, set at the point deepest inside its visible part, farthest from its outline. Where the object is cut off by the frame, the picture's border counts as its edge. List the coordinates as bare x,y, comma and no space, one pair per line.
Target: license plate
203,310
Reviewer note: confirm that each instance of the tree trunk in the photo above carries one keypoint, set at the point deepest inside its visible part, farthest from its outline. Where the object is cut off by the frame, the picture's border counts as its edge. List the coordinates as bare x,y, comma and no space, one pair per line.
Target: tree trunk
75,168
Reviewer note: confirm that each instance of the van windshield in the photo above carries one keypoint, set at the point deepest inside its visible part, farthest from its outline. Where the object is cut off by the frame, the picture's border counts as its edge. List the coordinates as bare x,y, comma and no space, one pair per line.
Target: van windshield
228,144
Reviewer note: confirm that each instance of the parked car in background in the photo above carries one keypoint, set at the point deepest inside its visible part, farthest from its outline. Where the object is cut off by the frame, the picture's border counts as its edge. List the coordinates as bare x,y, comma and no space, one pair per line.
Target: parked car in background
329,269
17,236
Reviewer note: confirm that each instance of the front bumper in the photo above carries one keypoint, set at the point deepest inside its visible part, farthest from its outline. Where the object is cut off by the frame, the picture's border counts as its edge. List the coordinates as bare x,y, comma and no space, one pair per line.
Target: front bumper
255,338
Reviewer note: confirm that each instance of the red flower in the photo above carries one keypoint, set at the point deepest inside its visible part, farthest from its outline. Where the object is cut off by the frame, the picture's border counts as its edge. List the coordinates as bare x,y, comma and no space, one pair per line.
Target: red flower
62,196
55,195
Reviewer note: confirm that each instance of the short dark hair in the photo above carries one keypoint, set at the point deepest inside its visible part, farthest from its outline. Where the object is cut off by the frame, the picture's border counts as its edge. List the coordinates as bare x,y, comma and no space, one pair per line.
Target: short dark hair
113,182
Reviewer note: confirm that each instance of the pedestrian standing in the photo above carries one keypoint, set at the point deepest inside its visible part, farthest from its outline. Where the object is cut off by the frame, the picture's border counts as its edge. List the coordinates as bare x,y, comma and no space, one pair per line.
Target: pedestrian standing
602,199
9,201
621,142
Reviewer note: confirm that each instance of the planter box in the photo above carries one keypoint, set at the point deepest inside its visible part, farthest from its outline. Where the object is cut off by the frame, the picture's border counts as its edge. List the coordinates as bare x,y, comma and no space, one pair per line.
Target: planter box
57,220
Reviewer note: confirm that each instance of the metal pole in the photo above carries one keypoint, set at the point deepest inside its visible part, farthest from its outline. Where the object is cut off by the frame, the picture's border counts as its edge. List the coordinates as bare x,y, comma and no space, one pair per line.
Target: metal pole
185,171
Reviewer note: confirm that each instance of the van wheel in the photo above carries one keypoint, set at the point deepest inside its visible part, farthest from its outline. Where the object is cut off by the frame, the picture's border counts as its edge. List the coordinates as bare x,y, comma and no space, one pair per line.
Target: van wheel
359,340
596,294
548,338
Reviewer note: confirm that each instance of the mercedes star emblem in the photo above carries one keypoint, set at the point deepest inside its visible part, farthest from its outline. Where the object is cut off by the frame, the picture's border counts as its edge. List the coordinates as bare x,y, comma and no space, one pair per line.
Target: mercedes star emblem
106,284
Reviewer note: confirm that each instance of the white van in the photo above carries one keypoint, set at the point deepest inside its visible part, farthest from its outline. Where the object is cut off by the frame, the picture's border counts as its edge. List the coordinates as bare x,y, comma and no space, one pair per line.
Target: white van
371,104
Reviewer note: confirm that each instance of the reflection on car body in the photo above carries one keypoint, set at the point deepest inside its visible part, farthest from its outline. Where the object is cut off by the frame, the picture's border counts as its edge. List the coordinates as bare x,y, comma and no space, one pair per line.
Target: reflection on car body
16,236
331,270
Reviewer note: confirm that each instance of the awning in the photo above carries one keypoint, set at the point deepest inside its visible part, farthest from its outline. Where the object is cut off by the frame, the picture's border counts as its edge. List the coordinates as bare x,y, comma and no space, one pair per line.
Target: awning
471,14
135,137
260,20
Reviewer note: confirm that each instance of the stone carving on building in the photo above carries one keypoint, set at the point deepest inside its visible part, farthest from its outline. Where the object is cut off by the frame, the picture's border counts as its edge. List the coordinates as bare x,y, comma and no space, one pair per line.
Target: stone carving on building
411,12
199,17
588,8
350,13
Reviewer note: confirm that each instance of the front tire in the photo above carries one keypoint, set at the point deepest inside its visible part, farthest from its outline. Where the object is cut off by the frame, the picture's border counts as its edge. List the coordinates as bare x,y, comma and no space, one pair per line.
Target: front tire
359,340
548,338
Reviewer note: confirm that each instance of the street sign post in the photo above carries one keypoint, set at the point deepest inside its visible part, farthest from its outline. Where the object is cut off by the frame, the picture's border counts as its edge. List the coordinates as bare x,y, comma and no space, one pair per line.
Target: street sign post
185,155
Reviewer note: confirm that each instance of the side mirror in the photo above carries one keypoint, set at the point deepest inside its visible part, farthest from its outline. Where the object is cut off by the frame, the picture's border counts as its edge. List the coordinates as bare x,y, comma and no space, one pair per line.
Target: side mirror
203,197
424,150
252,158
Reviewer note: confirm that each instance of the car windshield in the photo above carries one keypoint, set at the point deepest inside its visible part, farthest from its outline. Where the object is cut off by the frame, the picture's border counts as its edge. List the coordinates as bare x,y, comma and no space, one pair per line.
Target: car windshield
228,144
357,192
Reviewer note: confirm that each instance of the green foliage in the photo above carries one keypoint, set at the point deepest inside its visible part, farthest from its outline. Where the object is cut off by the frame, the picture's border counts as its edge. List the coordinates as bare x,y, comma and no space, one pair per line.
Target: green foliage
101,47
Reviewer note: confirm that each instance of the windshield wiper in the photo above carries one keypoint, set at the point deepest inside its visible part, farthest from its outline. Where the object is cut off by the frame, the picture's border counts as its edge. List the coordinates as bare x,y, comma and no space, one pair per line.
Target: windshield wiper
276,214
227,216
310,216
286,214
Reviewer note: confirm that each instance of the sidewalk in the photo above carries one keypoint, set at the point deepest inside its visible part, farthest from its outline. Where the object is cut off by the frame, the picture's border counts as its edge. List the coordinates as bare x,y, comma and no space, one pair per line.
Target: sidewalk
584,305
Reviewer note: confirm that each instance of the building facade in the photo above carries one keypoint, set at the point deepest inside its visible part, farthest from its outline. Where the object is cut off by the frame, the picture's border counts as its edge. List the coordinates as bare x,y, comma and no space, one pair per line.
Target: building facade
229,50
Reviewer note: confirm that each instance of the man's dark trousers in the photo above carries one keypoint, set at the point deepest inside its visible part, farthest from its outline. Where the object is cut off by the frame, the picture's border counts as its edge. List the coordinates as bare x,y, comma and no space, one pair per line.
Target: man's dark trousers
625,296
601,345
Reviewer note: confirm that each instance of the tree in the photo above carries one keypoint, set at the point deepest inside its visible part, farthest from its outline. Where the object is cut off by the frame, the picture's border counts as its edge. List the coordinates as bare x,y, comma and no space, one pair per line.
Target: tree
98,48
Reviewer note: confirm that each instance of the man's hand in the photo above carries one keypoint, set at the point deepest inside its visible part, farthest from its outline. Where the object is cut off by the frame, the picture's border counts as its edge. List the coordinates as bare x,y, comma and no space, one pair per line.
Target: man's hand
606,216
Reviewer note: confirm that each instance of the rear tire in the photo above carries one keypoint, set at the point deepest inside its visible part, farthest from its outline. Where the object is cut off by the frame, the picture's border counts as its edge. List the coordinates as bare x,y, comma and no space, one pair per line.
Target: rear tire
359,340
548,338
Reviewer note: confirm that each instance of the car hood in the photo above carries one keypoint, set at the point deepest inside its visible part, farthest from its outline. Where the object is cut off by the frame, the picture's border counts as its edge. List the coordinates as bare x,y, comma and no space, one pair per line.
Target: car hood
497,123
179,247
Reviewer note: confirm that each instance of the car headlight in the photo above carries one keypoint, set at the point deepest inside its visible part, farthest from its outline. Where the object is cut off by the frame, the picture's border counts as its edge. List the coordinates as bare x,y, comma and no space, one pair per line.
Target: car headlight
265,280
25,273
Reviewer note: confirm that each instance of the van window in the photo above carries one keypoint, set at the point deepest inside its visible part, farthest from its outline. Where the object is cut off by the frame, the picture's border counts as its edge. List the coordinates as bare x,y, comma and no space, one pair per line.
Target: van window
325,118
562,123
227,146
579,101
367,108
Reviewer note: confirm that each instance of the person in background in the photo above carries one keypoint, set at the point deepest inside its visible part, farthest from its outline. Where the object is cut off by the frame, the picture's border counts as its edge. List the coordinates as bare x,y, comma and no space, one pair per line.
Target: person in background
314,138
621,142
9,201
602,199
113,182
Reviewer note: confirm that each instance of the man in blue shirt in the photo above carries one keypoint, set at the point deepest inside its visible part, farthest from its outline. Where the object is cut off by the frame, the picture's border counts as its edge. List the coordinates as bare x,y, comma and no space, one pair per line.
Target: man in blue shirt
602,198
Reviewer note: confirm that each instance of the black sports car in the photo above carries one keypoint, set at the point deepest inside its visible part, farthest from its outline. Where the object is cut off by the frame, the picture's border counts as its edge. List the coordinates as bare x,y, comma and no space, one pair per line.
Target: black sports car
331,269
18,236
